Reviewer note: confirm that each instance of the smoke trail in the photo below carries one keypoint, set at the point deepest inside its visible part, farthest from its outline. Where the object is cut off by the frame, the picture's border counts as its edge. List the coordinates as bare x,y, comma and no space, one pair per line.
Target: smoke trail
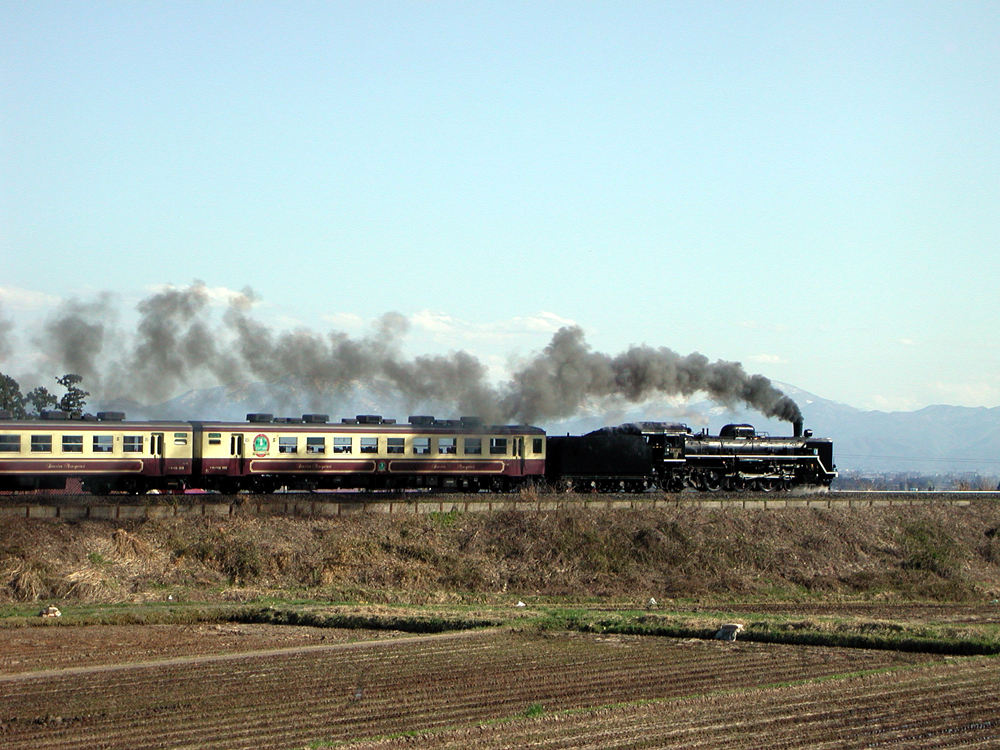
336,362
172,343
179,343
75,336
557,382
6,326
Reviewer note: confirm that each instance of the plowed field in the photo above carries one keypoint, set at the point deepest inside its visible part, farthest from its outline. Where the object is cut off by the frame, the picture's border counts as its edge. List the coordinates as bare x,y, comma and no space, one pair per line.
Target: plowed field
293,690
941,706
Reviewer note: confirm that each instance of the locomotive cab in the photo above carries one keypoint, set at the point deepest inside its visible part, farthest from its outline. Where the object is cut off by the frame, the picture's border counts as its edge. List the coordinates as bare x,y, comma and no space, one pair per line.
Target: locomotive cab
822,448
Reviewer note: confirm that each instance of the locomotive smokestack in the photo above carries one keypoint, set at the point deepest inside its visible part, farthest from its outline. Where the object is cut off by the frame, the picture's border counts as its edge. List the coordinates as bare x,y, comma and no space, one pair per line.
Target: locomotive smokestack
797,427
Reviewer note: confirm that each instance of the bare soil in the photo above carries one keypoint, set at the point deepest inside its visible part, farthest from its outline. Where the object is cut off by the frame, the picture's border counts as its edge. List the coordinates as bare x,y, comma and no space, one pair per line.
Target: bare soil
480,688
53,648
941,705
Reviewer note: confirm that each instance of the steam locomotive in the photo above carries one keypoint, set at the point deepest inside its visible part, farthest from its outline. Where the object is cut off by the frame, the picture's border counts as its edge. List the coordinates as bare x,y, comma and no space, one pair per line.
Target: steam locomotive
106,454
668,456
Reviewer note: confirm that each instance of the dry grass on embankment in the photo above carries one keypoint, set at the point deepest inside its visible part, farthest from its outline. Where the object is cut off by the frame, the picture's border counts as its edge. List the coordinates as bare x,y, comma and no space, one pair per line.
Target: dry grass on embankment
909,553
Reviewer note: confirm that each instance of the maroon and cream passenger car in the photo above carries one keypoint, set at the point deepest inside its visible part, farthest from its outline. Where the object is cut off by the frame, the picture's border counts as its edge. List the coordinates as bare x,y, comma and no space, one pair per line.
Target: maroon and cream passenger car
109,454
264,454
105,453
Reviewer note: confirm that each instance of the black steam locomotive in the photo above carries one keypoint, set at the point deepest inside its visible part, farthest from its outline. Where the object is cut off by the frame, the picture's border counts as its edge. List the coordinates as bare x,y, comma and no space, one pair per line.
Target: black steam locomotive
668,456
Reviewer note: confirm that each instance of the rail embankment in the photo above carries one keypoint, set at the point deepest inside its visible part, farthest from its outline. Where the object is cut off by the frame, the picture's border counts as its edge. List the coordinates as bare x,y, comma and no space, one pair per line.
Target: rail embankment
426,551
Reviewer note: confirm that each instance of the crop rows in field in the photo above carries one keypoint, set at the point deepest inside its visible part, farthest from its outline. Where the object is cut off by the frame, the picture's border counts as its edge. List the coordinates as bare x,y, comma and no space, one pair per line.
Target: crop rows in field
353,691
944,705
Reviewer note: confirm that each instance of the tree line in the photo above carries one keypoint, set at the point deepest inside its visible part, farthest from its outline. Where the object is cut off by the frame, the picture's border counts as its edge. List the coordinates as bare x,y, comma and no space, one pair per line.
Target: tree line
39,399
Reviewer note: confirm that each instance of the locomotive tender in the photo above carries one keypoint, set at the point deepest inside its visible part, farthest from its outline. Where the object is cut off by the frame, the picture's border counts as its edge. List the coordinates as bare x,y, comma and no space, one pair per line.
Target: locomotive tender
108,454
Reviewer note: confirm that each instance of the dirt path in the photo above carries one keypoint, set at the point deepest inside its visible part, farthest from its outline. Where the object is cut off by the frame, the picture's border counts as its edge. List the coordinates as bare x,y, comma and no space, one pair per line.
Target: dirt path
196,659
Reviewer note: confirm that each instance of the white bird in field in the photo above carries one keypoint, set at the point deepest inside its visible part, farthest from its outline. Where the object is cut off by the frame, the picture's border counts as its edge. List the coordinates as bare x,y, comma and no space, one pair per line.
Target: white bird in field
728,631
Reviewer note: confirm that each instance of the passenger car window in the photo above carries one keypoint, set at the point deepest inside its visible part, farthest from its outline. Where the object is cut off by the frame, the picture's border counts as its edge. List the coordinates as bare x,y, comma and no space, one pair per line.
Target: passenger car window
498,446
446,446
72,443
473,446
10,443
395,445
288,445
421,446
41,443
103,443
369,445
315,445
343,445
132,444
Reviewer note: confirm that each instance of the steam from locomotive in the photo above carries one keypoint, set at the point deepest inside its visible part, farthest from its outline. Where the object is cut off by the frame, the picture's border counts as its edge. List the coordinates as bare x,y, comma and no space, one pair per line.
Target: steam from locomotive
557,381
177,344
6,326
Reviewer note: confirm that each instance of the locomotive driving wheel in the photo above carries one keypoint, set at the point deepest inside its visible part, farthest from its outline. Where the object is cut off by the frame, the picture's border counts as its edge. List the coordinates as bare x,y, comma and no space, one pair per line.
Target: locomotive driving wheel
710,481
736,483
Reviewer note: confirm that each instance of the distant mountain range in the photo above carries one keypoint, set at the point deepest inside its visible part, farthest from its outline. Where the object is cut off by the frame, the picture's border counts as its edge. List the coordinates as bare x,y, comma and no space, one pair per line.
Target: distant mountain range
934,440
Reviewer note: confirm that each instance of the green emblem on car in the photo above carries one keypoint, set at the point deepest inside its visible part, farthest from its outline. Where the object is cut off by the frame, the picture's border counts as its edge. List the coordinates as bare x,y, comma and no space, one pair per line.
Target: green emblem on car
261,444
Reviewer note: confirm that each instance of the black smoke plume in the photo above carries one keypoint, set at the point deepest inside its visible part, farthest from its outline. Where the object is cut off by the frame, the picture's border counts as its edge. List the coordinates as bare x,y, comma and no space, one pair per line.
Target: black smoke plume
557,382
6,326
178,344
76,335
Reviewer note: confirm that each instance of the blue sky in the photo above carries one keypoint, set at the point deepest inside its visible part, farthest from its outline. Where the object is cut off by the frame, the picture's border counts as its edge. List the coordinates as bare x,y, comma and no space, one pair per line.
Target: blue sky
811,189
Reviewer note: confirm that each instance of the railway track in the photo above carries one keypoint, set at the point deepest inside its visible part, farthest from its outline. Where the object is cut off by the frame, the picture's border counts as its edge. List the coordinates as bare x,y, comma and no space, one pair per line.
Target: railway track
115,507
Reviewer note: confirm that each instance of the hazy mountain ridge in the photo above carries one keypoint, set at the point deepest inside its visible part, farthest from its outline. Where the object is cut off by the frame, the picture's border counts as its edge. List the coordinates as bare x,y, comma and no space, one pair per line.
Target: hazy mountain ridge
934,439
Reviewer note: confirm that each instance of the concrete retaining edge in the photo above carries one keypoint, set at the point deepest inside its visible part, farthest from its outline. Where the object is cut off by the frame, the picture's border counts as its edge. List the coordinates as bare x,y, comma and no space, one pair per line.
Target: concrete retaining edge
325,509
